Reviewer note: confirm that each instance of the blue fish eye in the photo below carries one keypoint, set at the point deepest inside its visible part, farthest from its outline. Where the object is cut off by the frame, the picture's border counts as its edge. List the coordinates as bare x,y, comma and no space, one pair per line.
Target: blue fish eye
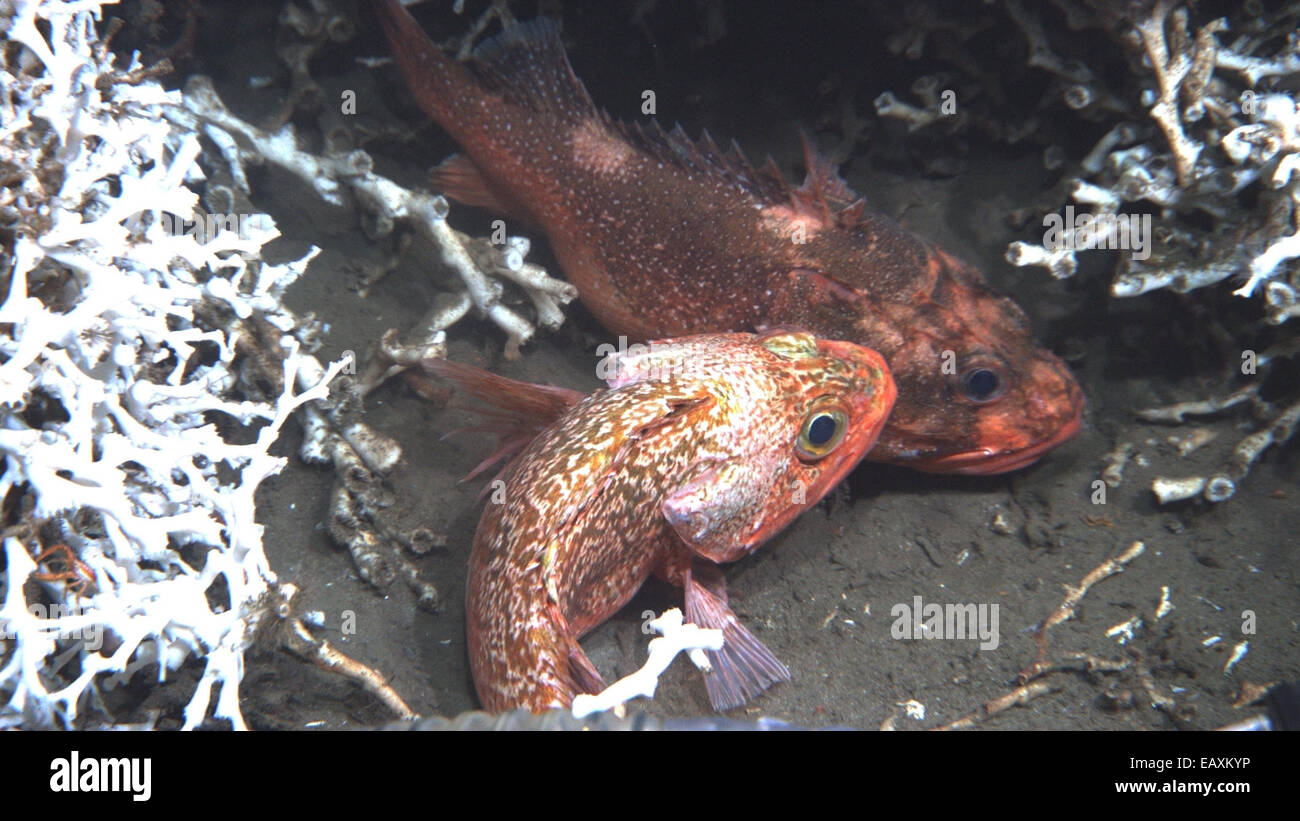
822,429
821,432
980,384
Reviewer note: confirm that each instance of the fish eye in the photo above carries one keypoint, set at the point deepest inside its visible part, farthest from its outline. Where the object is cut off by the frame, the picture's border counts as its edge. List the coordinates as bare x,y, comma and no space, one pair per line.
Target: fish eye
983,380
822,431
980,383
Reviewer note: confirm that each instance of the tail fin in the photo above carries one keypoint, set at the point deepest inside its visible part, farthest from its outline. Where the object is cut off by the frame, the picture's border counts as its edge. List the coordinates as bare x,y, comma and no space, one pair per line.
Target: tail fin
515,411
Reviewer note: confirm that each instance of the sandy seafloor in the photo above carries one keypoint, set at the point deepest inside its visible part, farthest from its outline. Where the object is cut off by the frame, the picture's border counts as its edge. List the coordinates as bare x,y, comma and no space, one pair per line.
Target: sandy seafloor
820,594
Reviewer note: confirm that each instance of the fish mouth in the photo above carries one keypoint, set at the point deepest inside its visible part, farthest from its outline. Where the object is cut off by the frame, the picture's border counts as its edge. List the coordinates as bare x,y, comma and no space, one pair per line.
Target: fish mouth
989,462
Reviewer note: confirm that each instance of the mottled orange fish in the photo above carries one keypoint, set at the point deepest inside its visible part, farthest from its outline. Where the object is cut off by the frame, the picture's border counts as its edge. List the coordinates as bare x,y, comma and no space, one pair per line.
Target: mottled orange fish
700,450
664,236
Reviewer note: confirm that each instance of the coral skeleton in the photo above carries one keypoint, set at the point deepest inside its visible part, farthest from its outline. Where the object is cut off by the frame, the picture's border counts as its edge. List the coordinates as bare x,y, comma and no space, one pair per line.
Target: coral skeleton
362,509
1202,146
1208,156
1113,473
123,371
887,105
480,265
674,638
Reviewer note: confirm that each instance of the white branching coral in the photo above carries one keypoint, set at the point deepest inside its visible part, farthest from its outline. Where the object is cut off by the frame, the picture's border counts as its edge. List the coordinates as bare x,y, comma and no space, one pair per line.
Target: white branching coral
481,266
675,637
121,352
1220,141
1219,137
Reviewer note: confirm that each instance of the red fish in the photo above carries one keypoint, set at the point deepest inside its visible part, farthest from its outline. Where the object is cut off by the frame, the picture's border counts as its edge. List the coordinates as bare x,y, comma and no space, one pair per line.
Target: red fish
664,236
700,450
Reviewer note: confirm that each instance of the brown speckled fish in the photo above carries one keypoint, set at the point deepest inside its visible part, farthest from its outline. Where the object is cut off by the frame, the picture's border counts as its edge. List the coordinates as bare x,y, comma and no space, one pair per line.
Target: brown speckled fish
664,236
699,451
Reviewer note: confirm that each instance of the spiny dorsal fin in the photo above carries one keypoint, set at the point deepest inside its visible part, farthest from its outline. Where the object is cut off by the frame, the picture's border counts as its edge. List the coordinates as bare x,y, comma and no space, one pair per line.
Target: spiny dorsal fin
703,156
823,192
771,172
710,149
689,150
527,65
822,175
851,214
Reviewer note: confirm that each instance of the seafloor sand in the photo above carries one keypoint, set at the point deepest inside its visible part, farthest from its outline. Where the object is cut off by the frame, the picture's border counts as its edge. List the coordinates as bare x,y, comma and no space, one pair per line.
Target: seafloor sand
820,594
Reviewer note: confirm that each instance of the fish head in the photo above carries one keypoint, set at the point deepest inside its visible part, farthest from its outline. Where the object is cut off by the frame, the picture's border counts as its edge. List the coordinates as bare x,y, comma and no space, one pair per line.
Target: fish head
842,398
803,412
982,396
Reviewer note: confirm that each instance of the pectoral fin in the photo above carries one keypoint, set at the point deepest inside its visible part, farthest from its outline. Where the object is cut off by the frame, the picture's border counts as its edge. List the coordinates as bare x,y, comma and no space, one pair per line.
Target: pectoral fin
459,178
744,667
